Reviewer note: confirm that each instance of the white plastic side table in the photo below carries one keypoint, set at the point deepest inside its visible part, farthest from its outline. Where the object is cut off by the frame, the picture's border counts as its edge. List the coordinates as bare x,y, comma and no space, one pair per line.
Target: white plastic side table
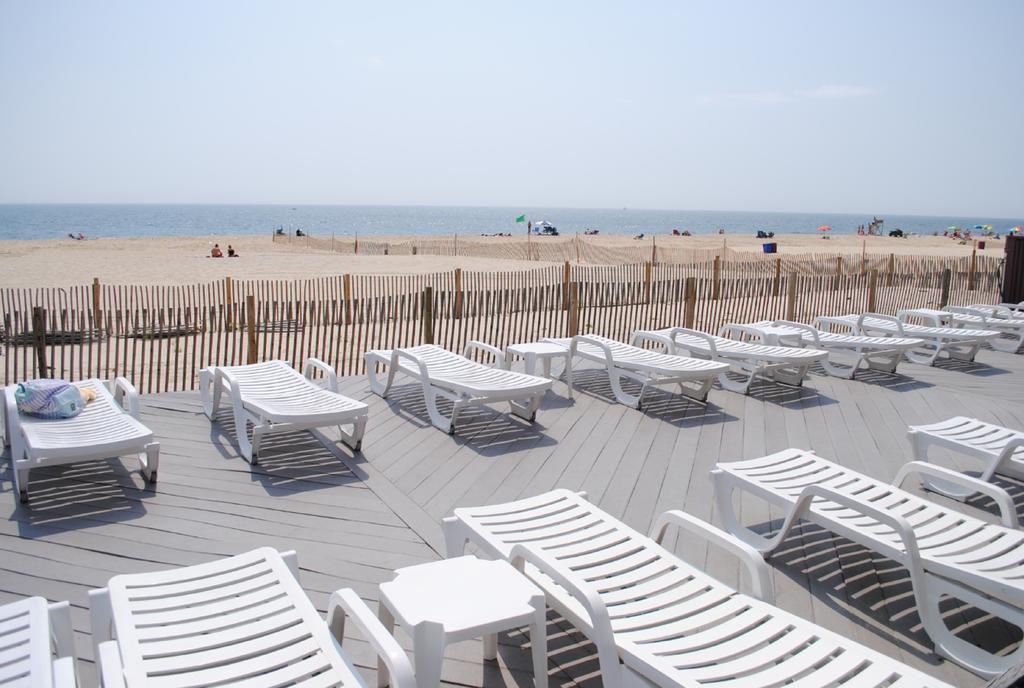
778,336
531,352
932,316
458,599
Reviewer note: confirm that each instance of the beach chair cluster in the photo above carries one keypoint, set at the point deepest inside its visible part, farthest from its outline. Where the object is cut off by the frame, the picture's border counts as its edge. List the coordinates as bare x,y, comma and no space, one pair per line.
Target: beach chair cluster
653,617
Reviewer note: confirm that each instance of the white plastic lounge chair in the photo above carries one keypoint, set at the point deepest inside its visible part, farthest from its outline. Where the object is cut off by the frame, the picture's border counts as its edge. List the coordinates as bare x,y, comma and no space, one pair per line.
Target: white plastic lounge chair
243,620
107,427
647,367
655,619
457,378
946,552
274,397
954,342
875,353
1000,449
751,359
994,311
1011,331
37,645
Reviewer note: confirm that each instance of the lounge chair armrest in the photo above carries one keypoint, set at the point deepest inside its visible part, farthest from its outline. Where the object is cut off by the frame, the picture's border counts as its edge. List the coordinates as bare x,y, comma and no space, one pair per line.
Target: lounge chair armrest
888,318
125,392
10,413
64,673
1002,498
806,330
600,623
729,329
895,521
473,344
346,604
110,670
593,341
641,337
402,353
757,569
712,347
328,371
969,310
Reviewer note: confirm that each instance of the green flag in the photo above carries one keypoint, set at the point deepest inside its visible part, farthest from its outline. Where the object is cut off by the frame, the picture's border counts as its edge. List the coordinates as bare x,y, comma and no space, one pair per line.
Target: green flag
521,218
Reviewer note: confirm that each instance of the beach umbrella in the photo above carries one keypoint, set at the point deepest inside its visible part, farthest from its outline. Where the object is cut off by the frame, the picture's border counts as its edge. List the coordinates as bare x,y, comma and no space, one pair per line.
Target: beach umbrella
979,227
1015,230
952,228
824,228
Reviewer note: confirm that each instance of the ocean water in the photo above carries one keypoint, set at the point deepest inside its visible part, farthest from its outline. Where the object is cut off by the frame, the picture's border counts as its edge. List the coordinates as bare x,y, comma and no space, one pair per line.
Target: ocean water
56,221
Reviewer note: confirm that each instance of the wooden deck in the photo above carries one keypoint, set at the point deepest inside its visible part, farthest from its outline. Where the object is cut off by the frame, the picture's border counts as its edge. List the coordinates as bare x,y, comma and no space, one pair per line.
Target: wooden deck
353,519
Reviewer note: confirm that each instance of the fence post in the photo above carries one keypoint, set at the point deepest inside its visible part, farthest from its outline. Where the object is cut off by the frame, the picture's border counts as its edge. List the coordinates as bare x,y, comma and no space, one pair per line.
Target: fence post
654,249
574,309
39,340
791,297
873,291
839,273
947,276
252,353
458,293
716,277
346,297
689,302
228,301
973,268
892,269
97,318
577,247
332,242
776,283
356,249
863,256
566,277
456,243
428,315
647,282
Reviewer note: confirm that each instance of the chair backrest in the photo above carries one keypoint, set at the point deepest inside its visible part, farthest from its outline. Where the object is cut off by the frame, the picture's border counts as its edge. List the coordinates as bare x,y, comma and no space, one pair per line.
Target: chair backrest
233,619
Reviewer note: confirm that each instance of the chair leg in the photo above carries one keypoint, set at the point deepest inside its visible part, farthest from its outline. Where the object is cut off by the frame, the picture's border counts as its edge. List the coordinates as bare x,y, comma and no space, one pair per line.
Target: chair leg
150,460
738,386
354,439
21,477
621,396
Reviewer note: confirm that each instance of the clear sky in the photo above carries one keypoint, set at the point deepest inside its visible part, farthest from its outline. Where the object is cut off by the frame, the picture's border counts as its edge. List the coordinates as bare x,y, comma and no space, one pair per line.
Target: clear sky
863,106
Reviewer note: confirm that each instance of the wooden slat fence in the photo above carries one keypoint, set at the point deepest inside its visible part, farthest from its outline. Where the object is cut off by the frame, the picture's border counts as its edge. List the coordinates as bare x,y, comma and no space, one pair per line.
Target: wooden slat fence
161,336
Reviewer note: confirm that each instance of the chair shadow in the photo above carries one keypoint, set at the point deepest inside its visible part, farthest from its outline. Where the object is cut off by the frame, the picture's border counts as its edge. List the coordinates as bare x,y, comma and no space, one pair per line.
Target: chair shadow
77,496
663,403
787,396
288,462
971,367
572,657
487,430
876,593
895,381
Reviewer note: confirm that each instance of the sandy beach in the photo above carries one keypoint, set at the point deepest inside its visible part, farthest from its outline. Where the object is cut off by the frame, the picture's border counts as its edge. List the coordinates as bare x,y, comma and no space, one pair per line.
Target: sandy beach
185,260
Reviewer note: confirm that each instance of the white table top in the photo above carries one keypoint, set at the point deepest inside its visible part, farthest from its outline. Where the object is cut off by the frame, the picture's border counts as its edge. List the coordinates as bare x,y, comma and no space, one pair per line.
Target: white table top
540,348
924,311
461,593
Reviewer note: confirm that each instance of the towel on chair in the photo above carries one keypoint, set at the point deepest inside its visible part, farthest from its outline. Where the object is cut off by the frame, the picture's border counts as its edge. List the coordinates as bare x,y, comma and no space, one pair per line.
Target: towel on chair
45,398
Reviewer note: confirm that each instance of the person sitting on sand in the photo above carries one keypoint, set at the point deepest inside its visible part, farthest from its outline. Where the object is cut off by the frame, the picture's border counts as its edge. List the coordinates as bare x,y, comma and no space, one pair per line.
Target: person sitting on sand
231,252
215,252
80,237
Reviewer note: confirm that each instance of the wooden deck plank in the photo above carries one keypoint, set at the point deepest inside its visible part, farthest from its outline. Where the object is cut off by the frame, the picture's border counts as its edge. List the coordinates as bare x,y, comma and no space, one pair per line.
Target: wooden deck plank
354,517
